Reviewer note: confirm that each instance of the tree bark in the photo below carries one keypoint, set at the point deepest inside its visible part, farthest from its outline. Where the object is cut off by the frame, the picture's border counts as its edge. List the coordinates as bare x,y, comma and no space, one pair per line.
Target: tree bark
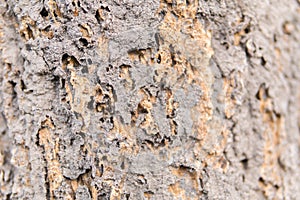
170,99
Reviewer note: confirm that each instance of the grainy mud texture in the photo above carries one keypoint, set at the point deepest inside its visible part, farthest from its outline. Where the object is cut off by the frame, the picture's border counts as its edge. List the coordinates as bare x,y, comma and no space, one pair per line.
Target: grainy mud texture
132,99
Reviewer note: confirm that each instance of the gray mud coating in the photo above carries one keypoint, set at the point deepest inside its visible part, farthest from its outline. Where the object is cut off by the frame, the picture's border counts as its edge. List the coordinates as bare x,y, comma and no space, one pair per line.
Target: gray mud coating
149,99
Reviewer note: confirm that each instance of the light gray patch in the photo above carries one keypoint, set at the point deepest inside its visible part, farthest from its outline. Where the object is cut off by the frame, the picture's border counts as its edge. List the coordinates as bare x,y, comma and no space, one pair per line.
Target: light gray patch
82,193
163,123
129,40
232,59
146,163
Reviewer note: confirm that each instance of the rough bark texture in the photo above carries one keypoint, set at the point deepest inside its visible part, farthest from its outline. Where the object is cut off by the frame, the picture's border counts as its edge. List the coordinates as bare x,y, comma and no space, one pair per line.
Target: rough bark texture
130,99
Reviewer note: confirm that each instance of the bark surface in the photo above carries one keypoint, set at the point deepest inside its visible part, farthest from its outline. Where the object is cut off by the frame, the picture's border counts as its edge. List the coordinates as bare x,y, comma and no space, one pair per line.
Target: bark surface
130,99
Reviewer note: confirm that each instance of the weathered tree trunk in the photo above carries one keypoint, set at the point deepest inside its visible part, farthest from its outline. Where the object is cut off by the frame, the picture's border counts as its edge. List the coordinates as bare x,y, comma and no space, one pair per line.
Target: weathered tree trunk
131,99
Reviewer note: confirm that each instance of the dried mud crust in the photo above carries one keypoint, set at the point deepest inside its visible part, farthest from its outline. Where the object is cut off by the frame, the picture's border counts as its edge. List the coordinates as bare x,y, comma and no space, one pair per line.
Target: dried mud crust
170,99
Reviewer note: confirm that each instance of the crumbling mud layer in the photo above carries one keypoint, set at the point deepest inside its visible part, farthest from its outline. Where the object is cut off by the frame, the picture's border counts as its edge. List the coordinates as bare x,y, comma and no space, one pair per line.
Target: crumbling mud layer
149,99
